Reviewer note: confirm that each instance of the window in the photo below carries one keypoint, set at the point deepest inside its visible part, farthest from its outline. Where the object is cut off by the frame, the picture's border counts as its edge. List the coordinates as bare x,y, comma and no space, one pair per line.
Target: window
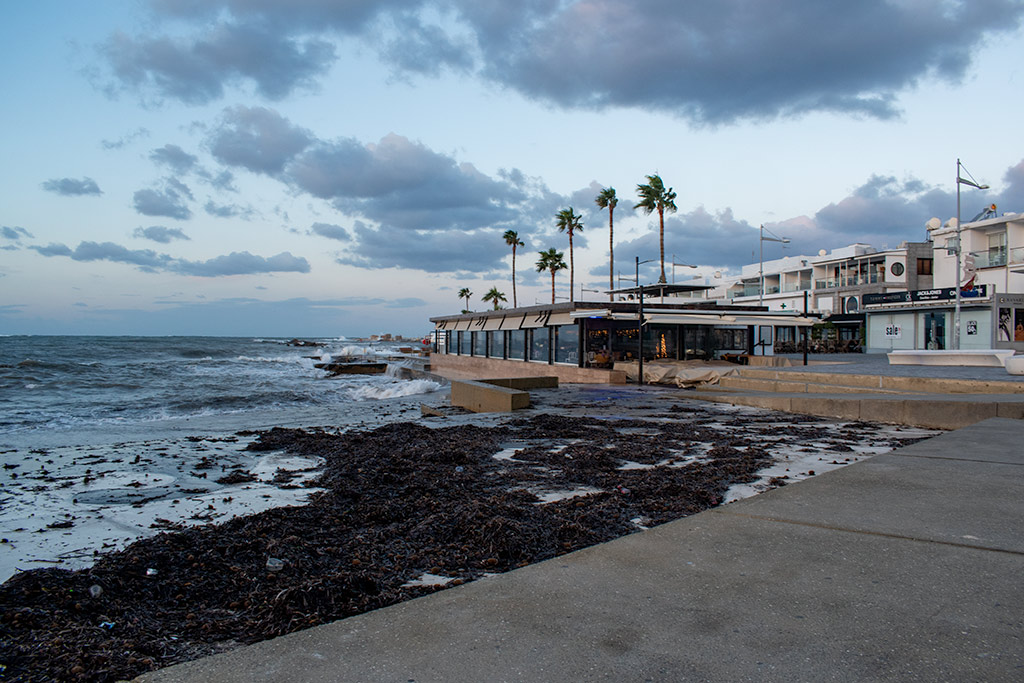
897,269
479,343
567,339
496,344
464,342
516,344
538,341
924,266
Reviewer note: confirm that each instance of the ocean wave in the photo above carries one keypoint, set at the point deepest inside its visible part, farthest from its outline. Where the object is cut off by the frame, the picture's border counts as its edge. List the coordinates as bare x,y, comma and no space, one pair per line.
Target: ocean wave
393,390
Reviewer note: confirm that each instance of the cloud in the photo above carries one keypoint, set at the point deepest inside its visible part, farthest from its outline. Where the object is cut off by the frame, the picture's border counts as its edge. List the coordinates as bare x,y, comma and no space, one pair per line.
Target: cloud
710,63
243,263
126,139
227,210
196,70
175,158
235,263
169,202
257,139
70,187
433,252
330,231
403,184
14,233
159,233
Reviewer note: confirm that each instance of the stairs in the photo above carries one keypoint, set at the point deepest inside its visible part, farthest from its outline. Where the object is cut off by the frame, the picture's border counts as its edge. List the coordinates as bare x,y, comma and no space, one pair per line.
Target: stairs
932,402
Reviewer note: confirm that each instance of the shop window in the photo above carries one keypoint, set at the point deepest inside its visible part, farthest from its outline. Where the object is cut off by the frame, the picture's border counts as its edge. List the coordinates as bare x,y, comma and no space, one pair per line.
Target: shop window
496,344
567,341
517,344
537,339
479,344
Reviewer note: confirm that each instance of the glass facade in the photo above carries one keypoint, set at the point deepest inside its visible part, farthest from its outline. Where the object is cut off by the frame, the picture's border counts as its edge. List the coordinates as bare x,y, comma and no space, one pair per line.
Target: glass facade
496,344
567,343
464,342
516,344
479,343
538,341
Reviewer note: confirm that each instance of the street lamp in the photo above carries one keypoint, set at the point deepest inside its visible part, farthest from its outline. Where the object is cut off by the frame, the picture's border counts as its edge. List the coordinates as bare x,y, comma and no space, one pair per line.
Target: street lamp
959,249
640,319
681,265
760,279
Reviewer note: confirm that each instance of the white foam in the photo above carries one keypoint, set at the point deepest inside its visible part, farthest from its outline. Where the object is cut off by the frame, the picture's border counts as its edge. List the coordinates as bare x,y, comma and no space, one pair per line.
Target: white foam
393,389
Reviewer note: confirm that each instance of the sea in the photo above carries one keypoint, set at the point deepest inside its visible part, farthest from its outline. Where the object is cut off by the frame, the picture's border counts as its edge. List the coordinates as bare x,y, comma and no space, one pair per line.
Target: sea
104,440
77,389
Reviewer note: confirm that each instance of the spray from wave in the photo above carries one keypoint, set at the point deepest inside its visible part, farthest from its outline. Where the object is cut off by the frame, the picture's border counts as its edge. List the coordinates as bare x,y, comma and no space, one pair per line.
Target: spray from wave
393,389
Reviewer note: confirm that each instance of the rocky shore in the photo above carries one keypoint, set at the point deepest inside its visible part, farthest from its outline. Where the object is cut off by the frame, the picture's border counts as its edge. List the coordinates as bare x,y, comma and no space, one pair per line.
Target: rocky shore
404,509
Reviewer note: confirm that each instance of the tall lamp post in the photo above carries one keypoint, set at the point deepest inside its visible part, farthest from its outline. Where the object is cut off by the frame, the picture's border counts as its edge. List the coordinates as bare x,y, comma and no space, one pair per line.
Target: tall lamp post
681,265
760,279
959,248
640,320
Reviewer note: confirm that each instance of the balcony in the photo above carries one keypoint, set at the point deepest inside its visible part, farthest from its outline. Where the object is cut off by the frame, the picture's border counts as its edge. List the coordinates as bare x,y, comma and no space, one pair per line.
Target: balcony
852,280
992,258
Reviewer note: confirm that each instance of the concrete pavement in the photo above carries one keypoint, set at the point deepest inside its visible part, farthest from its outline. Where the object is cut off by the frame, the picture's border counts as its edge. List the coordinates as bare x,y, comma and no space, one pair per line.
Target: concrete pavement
905,566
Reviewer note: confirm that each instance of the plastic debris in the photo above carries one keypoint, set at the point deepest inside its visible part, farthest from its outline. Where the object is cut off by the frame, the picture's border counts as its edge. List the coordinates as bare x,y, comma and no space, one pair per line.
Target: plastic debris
275,564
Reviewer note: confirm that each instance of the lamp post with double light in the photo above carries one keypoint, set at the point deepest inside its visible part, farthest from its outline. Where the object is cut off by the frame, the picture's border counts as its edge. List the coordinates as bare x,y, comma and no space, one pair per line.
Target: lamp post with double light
772,237
640,320
959,247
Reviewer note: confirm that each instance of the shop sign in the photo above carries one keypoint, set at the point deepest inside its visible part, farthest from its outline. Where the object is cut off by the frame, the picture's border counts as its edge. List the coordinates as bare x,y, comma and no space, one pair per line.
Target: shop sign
893,331
924,295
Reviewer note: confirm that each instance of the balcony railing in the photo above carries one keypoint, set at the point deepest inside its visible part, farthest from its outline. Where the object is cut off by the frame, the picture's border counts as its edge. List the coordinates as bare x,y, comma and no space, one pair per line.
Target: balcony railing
991,258
851,280
1017,255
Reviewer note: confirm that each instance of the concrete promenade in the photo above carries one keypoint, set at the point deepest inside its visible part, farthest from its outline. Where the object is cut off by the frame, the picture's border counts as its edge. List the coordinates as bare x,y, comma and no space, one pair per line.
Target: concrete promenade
907,566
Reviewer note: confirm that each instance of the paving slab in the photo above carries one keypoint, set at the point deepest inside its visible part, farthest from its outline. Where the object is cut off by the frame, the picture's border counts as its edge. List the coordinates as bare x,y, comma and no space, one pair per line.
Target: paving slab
861,574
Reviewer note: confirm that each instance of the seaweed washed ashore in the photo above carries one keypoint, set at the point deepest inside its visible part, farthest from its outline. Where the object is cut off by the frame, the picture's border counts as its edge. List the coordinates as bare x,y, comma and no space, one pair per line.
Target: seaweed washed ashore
403,510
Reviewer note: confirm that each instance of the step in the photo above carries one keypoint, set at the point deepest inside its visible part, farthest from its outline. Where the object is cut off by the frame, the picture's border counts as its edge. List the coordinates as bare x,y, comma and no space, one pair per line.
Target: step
874,383
931,413
786,386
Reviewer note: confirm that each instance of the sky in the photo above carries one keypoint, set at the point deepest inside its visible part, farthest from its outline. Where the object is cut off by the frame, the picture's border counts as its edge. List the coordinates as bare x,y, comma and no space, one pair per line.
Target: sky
345,167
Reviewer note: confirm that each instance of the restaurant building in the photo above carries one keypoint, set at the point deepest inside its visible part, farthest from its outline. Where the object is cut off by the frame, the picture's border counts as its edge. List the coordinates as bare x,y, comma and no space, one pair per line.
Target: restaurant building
589,341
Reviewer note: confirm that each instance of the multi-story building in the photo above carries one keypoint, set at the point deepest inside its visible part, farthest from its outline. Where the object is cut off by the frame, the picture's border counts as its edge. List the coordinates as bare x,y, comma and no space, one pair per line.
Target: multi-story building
830,284
992,293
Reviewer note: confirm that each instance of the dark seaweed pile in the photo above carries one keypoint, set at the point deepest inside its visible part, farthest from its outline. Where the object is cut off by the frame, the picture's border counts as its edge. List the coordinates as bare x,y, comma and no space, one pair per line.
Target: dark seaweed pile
397,502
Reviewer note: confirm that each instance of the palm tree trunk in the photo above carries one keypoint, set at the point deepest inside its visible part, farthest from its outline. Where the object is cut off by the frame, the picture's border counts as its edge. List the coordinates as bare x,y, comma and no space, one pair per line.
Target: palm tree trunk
661,238
611,256
552,286
572,270
515,303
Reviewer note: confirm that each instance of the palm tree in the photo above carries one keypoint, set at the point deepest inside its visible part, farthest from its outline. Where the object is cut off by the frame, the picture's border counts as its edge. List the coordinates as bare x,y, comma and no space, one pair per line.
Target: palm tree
569,222
495,296
654,197
512,239
551,260
464,293
606,199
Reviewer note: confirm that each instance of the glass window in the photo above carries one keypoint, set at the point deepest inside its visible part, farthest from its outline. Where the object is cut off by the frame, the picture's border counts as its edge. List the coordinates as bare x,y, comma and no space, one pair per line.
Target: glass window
516,344
496,344
567,340
538,341
624,342
479,344
660,342
924,266
464,343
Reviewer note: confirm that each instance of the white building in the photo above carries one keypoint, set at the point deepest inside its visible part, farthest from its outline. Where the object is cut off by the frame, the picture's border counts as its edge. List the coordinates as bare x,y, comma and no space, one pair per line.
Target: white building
992,298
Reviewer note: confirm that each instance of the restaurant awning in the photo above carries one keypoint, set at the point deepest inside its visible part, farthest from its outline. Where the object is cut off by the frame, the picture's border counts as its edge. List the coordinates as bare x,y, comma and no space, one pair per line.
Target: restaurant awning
561,319
462,324
493,323
533,320
511,322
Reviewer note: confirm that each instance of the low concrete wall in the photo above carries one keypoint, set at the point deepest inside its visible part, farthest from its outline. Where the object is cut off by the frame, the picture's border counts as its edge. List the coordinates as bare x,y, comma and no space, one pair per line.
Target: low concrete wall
495,367
524,383
481,397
